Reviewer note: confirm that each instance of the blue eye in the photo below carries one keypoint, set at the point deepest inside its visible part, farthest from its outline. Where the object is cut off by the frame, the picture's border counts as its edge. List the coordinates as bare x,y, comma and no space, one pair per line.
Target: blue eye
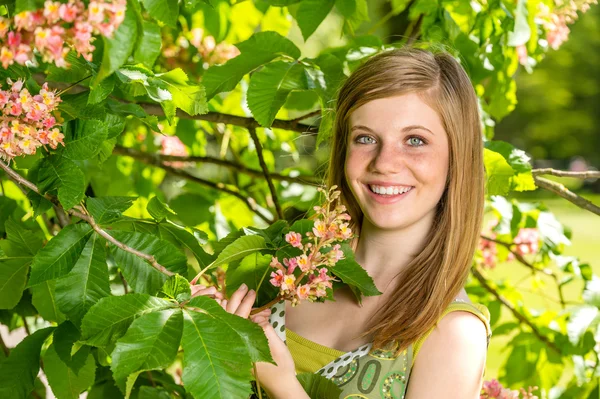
416,141
360,140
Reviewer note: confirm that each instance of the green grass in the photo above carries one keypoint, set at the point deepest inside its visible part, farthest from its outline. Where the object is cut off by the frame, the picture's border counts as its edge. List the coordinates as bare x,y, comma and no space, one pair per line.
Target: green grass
585,228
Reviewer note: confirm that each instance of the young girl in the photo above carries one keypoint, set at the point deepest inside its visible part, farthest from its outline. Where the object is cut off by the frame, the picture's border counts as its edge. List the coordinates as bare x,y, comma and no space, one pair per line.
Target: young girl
407,155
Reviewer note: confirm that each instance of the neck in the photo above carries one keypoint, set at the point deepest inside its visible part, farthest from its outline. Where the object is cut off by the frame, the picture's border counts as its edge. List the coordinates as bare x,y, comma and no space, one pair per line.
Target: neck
385,253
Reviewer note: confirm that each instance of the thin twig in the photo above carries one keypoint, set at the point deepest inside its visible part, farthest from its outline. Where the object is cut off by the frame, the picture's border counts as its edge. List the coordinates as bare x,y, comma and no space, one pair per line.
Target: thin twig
588,174
263,165
258,389
415,31
126,290
306,116
89,219
159,160
66,89
63,218
565,193
216,117
518,315
150,378
266,306
25,325
525,263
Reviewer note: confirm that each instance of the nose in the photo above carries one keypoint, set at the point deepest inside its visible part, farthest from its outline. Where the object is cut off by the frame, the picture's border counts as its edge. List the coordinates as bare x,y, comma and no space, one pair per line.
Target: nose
387,159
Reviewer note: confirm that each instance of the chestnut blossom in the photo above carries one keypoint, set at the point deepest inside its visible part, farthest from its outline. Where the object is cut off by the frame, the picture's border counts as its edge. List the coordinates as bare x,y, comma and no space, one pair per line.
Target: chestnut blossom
26,121
305,277
56,29
494,390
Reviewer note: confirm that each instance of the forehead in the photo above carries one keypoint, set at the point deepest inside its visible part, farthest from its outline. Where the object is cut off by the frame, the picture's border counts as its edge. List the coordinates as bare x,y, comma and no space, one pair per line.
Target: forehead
397,112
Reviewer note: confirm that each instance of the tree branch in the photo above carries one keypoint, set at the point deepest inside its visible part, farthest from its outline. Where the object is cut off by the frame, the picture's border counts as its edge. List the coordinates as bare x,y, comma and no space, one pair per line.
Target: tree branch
88,218
524,261
565,193
263,165
216,117
588,174
514,311
159,159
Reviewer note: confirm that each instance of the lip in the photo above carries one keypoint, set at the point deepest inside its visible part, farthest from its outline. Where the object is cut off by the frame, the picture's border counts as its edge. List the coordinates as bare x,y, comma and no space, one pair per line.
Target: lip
386,183
386,200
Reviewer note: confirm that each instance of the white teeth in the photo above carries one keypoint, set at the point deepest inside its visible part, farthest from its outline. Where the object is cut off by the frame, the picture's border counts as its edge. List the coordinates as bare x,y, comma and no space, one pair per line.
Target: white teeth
392,190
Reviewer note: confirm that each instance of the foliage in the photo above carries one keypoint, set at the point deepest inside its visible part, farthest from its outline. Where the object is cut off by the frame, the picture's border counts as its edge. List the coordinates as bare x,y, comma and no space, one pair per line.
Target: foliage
185,156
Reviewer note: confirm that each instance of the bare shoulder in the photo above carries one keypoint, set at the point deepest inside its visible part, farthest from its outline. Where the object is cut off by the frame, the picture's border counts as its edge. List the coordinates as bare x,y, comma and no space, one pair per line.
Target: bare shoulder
453,356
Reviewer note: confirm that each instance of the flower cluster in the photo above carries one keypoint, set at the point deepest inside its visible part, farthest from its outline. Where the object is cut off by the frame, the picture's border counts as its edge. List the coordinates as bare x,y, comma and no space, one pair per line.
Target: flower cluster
27,121
55,29
197,48
494,390
525,243
555,22
306,276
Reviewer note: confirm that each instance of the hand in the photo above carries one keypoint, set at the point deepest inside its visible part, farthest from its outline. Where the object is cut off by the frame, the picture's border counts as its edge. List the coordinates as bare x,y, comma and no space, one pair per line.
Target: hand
212,292
273,378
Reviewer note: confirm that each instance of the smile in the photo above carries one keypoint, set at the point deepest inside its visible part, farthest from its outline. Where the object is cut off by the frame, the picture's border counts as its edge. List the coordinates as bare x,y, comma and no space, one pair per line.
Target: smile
389,190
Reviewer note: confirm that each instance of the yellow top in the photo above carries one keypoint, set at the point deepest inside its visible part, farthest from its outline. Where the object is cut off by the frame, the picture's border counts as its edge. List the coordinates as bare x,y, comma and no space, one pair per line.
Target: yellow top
310,356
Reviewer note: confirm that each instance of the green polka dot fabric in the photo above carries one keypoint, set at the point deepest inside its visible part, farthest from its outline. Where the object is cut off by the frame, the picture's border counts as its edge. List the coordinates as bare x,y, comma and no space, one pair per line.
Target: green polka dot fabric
363,372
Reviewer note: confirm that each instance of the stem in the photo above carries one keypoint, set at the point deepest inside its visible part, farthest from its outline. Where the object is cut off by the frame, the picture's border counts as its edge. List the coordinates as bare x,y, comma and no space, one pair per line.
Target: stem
258,389
60,93
158,160
25,325
124,283
263,165
588,174
565,193
150,378
518,315
266,306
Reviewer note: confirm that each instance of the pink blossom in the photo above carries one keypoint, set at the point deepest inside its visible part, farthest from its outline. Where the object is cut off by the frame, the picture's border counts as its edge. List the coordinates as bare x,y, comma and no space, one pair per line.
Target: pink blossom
275,263
289,283
303,291
294,239
291,264
68,12
304,262
277,278
320,229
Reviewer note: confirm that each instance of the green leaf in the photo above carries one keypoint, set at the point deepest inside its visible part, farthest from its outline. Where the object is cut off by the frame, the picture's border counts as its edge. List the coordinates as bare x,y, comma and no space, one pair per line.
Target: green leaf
108,319
159,210
217,361
86,139
177,288
115,125
65,383
44,300
61,253
318,387
16,255
189,97
149,44
353,274
101,91
86,283
77,106
78,69
106,210
184,239
240,248
7,207
139,274
270,86
38,203
62,174
498,173
311,13
147,392
165,11
254,271
27,5
151,343
118,49
259,49
303,226
64,339
18,372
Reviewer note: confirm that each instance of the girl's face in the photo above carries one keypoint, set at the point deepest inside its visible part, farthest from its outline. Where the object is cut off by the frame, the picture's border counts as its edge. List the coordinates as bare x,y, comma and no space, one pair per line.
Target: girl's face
397,161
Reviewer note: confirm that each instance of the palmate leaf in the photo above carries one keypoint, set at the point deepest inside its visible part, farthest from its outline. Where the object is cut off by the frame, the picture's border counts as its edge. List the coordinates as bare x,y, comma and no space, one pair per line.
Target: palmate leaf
165,11
270,87
189,97
18,372
16,257
63,339
261,48
177,288
85,139
108,319
65,383
254,271
139,274
219,349
311,13
86,283
240,248
151,342
118,48
61,253
184,239
43,297
159,210
149,44
108,209
353,274
62,174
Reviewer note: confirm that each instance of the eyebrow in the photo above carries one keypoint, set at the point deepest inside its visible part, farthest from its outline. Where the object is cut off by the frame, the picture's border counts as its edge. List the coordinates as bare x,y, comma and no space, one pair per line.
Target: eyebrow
404,129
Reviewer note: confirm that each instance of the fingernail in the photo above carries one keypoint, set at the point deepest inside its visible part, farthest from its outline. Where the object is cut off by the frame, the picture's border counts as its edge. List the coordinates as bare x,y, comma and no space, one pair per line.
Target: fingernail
251,292
243,287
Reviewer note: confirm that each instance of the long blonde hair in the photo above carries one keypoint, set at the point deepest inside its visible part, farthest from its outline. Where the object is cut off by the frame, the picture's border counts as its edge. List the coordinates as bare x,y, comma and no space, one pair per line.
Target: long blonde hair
435,277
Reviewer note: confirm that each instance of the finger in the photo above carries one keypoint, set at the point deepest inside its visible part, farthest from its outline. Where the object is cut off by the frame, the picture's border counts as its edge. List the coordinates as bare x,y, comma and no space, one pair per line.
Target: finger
224,304
236,298
246,306
266,313
210,291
